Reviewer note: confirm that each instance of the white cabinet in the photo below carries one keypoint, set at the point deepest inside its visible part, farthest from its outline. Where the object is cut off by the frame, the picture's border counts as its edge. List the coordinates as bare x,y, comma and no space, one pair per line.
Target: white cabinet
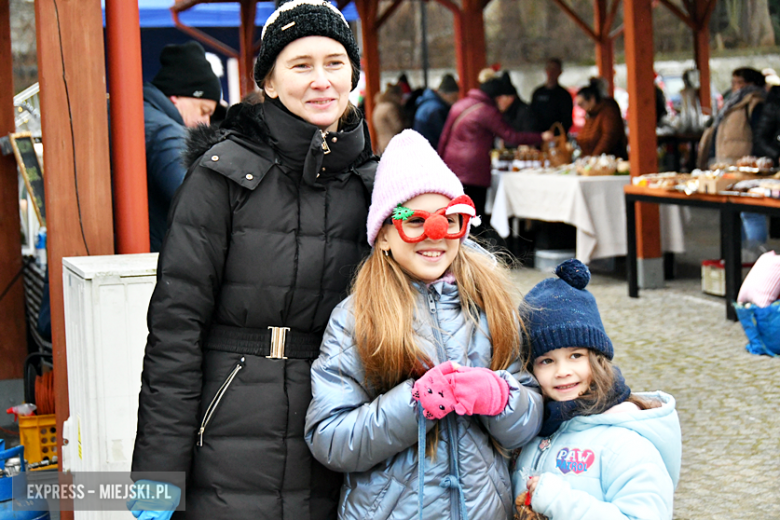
106,299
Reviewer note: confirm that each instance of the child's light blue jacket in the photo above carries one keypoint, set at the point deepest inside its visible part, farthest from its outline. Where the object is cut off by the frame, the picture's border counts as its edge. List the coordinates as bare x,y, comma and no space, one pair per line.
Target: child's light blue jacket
609,466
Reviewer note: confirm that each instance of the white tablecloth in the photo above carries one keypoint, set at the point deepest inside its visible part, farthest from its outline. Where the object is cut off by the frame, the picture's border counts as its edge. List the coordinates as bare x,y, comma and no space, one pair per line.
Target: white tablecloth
596,206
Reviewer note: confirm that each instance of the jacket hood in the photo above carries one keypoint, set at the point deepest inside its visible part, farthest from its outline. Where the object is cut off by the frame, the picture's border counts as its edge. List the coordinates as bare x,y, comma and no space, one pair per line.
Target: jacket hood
661,426
247,123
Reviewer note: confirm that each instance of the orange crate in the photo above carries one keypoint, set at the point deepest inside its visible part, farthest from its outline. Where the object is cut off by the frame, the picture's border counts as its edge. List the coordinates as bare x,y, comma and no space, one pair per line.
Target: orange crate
38,434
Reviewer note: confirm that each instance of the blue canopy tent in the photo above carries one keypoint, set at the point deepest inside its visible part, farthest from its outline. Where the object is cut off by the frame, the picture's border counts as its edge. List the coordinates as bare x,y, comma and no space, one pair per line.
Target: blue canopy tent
219,20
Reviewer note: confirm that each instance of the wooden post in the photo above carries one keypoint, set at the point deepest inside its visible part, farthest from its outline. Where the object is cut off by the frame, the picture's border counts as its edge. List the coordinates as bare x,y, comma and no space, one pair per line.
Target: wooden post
458,30
75,138
123,43
247,47
638,19
367,10
473,50
13,345
605,47
701,48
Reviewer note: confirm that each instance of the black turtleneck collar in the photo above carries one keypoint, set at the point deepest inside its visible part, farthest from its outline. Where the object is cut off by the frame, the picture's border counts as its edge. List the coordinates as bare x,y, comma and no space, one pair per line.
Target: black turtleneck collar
290,136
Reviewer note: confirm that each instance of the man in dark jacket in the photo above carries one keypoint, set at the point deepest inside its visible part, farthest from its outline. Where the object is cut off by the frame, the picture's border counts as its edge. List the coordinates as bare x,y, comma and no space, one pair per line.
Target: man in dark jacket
182,95
518,115
433,107
551,103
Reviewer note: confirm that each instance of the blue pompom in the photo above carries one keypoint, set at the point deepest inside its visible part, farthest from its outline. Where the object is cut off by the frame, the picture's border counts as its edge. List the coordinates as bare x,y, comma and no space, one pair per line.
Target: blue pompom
574,272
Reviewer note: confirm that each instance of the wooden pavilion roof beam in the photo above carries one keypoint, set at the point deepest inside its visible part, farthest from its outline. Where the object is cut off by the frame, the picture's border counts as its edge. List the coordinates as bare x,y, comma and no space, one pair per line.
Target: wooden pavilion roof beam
576,19
685,17
386,14
202,36
601,33
697,16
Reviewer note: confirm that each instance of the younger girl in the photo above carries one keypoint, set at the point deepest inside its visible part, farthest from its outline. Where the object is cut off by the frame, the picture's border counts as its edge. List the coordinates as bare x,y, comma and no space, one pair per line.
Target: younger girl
603,452
429,329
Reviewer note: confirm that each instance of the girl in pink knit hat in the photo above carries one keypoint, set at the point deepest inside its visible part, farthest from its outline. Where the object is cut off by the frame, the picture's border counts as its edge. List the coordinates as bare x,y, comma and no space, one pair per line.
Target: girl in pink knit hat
420,387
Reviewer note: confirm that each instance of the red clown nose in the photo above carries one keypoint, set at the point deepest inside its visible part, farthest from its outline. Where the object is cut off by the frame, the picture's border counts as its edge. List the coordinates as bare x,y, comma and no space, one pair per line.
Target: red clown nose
436,226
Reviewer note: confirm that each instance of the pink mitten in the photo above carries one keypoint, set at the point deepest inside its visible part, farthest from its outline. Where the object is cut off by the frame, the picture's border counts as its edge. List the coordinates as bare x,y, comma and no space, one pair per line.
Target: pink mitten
478,391
434,392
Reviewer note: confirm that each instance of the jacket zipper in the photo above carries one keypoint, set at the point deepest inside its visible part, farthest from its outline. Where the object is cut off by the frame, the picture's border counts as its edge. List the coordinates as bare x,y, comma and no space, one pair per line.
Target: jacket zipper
543,445
325,147
454,498
217,398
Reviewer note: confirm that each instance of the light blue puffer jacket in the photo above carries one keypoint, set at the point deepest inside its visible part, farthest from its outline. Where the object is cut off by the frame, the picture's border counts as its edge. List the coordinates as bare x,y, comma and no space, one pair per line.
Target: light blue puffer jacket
373,438
622,465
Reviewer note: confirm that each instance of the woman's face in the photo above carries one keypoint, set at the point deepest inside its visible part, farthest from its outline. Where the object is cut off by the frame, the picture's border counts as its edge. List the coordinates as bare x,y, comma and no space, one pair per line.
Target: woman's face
429,259
564,373
585,104
312,77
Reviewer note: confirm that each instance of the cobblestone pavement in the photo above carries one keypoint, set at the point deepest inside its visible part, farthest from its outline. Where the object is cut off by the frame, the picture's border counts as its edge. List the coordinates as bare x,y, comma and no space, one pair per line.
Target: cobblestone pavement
678,340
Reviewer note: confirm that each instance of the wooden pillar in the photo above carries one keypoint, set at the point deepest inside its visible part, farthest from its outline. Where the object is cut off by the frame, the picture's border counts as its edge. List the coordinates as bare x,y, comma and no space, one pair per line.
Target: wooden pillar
638,19
75,138
472,43
605,47
458,30
247,47
701,48
123,35
13,346
367,10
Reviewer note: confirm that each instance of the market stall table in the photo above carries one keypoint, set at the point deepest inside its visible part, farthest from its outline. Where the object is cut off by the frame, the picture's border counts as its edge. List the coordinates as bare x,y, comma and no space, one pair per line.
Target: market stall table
594,205
729,207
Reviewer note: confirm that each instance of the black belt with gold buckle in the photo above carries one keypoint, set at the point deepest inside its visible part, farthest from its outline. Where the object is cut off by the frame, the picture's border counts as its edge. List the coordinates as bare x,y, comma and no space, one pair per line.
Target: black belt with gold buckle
272,342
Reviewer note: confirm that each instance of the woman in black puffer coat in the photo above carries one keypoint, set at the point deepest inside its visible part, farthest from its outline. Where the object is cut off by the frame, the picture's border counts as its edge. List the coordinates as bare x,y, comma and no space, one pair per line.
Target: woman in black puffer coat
263,236
766,141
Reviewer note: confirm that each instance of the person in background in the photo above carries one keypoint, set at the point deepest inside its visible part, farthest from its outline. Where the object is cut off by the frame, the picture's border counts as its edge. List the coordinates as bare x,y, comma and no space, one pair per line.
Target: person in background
467,138
660,104
766,140
183,94
690,104
388,116
551,103
519,114
433,107
732,136
603,132
265,234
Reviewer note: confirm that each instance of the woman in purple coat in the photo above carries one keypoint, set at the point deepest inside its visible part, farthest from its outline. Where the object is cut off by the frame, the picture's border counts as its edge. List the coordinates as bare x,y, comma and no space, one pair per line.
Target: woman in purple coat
468,135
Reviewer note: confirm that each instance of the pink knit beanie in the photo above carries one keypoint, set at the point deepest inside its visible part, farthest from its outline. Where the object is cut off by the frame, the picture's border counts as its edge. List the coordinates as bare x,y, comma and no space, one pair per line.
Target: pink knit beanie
409,167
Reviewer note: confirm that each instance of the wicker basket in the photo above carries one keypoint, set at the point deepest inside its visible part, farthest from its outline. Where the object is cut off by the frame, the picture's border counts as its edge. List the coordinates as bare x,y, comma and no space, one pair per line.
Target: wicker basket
562,152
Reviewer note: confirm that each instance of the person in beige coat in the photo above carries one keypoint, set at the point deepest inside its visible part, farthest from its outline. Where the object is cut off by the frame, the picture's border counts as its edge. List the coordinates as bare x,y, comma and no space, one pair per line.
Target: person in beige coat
731,134
388,116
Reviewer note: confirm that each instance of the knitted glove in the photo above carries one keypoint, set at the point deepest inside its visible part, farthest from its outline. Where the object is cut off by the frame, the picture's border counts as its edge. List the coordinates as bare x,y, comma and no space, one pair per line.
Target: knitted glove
478,391
434,392
154,500
465,390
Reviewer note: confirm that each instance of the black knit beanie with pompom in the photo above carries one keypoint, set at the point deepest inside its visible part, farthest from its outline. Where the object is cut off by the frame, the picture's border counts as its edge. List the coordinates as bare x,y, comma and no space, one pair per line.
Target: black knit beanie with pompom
300,18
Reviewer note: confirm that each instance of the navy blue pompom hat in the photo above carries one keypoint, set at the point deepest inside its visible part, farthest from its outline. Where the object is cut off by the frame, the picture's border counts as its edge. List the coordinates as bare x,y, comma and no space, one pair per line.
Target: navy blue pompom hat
564,314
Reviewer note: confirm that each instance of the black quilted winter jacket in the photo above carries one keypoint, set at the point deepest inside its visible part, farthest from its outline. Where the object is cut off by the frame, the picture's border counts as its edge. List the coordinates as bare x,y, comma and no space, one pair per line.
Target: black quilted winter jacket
266,230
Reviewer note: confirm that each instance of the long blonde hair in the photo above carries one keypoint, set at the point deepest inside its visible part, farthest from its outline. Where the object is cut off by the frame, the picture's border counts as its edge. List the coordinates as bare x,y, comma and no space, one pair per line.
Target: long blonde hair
384,305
